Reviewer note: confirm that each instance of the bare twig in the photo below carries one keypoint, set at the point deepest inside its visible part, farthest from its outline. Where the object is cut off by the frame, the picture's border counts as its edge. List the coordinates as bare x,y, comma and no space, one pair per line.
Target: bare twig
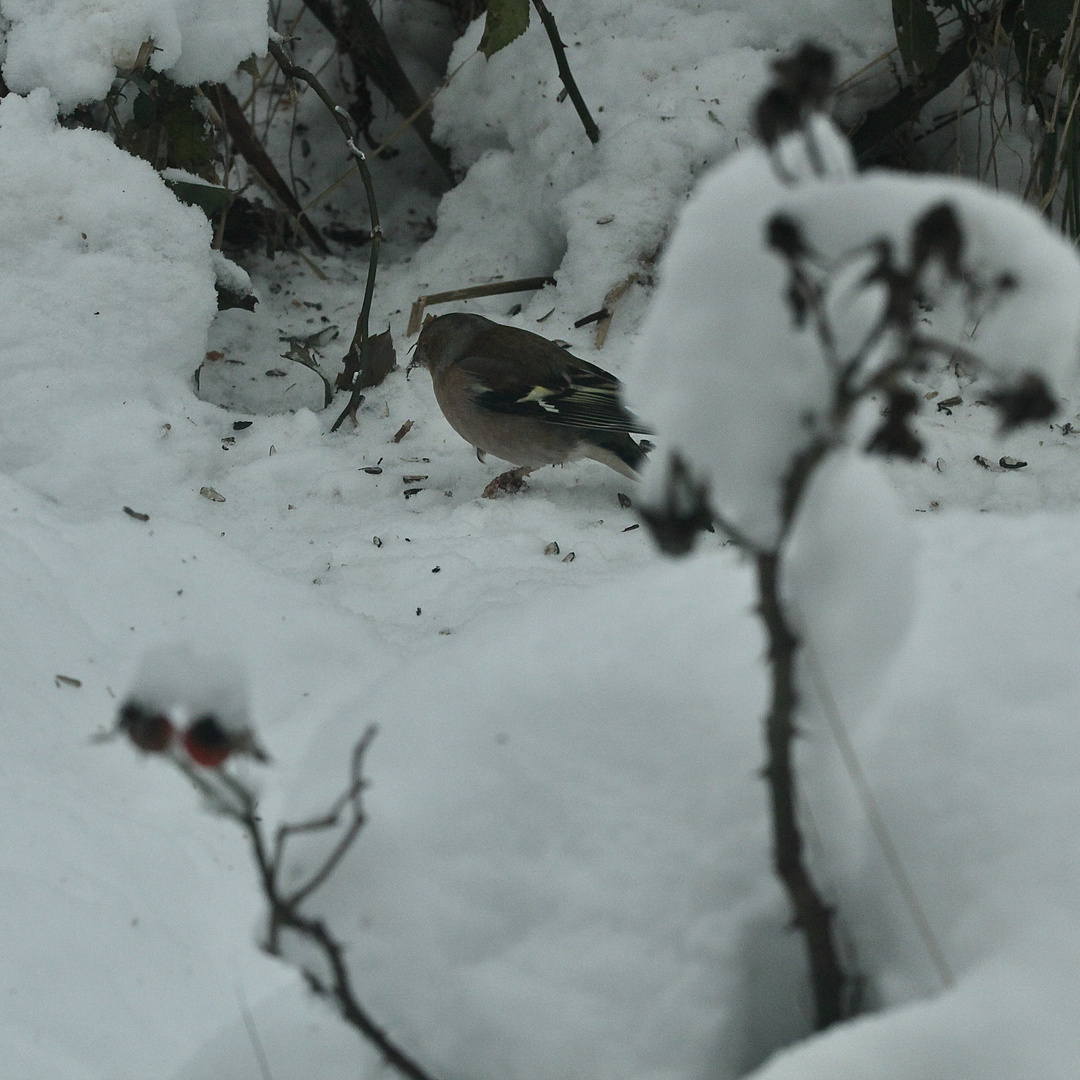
567,76
231,798
361,338
471,292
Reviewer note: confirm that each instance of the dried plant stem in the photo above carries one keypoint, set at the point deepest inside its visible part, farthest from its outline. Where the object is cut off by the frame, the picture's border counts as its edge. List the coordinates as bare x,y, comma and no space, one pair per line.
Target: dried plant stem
811,914
253,152
357,358
231,798
567,76
356,29
284,916
471,292
856,374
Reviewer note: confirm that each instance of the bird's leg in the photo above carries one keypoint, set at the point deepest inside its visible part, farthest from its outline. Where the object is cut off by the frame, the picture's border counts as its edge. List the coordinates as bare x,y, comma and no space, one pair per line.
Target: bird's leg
507,483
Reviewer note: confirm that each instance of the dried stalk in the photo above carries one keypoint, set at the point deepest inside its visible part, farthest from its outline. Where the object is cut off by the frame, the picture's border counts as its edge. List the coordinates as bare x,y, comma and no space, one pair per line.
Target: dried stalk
232,799
361,339
471,292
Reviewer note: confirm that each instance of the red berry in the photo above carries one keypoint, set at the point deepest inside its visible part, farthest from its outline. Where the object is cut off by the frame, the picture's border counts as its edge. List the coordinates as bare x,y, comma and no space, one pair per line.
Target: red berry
151,732
207,742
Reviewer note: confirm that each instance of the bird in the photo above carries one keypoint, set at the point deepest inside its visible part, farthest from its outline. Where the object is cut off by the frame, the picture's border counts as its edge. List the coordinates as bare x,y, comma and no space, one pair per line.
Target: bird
522,398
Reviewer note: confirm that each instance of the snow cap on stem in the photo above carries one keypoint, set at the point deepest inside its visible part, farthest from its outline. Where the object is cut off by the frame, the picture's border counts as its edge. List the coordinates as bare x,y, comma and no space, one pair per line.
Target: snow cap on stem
199,701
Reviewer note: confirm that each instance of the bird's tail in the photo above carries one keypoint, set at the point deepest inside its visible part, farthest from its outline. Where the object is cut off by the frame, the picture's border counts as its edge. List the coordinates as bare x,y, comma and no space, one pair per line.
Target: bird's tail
620,452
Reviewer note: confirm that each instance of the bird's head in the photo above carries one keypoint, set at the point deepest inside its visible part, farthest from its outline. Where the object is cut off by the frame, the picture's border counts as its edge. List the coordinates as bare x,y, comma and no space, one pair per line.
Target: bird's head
447,339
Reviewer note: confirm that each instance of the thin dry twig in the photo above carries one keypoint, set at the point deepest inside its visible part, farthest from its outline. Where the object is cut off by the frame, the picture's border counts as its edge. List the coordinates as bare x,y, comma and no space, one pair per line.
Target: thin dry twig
231,798
471,292
361,339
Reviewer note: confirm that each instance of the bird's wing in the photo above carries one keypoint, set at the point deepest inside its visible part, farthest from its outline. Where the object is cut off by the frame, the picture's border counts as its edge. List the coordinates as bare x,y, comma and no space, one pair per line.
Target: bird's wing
546,384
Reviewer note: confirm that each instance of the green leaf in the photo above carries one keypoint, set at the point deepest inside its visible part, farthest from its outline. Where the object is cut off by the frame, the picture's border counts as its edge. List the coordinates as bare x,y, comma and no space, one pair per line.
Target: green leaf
506,21
210,200
1049,17
189,142
916,35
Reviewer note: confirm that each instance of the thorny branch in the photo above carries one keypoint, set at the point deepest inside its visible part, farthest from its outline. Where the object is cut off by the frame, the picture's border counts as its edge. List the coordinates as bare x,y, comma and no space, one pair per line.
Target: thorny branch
229,797
812,915
567,76
889,350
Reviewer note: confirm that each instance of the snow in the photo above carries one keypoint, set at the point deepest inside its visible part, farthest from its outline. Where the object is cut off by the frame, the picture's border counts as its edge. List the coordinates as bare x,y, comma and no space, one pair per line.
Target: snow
515,807
109,290
850,575
73,47
175,676
566,863
973,717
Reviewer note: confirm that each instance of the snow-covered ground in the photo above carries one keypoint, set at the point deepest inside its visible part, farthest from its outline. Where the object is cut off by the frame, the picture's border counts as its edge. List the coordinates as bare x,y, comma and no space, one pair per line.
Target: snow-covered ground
566,866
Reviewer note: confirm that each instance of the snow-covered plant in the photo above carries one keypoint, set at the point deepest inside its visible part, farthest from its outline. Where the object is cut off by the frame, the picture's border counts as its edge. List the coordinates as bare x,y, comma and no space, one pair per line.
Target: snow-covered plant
797,299
192,710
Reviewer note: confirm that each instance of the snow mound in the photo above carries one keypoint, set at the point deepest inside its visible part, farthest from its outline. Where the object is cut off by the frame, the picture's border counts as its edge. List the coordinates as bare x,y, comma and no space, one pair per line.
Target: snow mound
74,47
551,880
109,291
669,84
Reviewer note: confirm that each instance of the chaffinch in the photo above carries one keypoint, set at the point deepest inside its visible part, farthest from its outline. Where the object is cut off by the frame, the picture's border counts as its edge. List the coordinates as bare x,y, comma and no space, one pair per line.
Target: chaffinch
525,399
